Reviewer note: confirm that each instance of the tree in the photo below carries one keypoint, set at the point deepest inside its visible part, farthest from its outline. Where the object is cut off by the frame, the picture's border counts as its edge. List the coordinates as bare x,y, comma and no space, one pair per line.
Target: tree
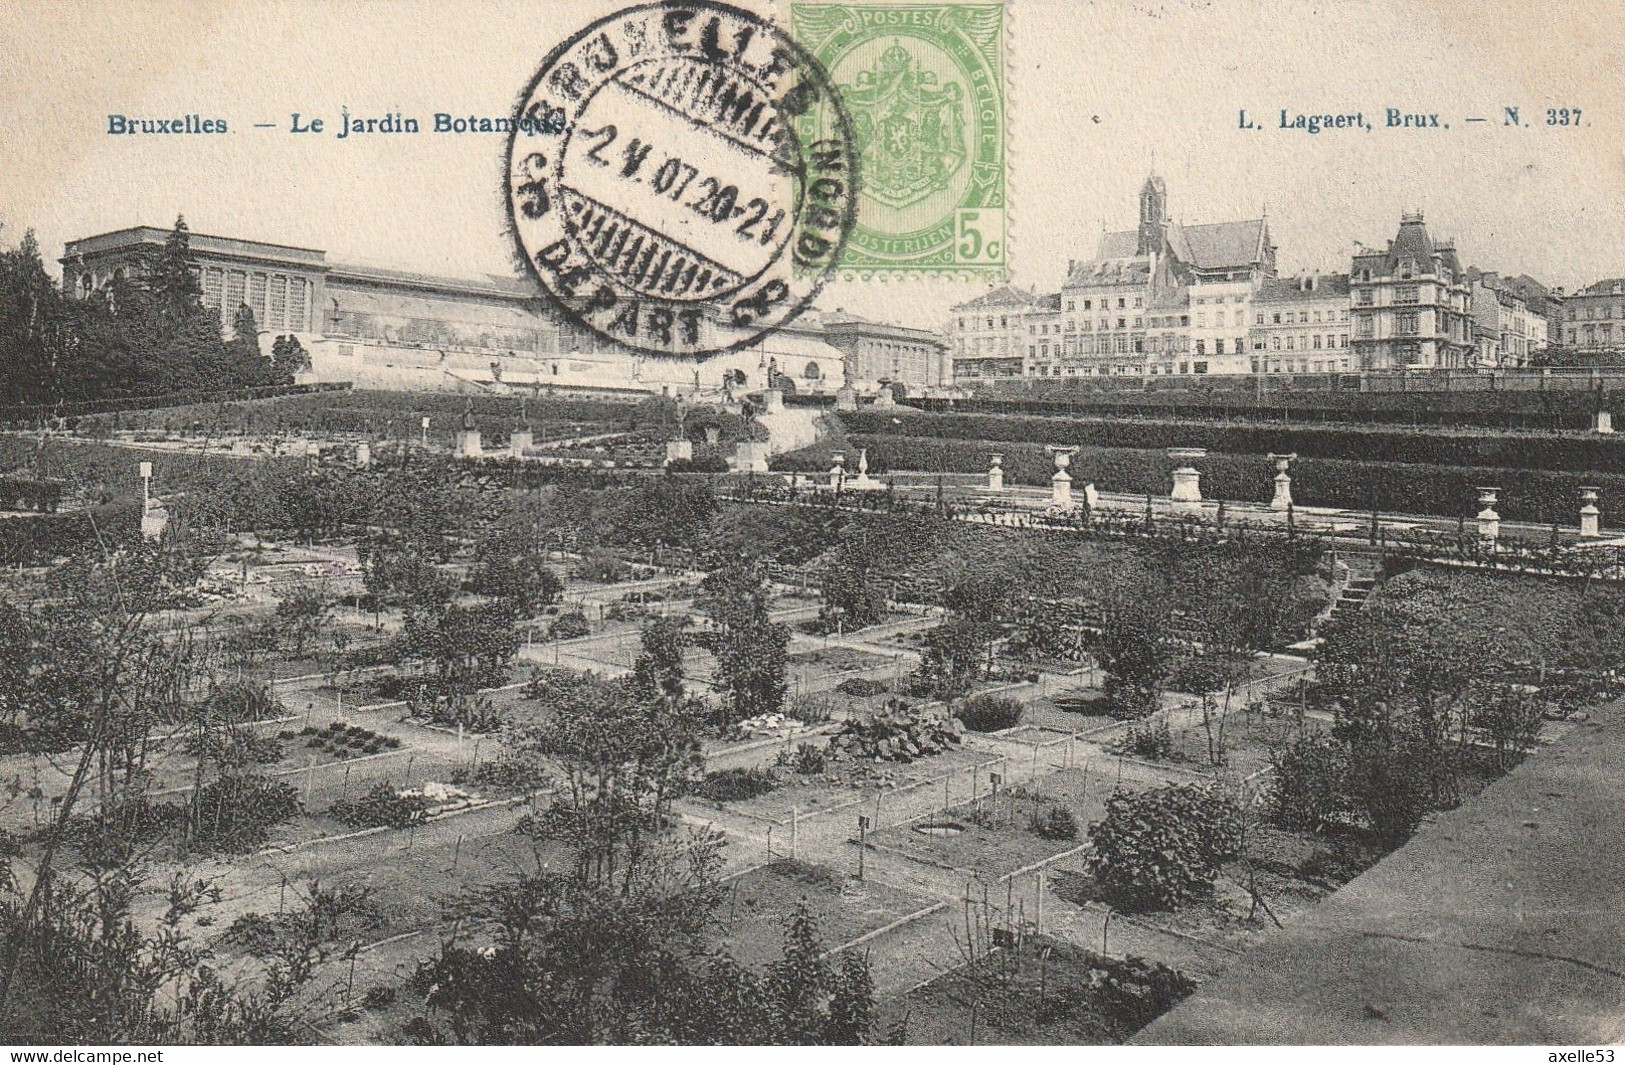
954,658
301,614
33,325
172,278
513,566
288,358
1135,655
657,673
852,598
751,649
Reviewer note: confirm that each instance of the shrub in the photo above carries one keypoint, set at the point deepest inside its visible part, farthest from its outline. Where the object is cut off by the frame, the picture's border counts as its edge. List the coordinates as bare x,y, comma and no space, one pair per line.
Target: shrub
813,708
1155,741
807,759
569,626
861,687
1157,849
382,807
1058,823
253,933
380,997
235,814
1309,788
731,785
990,713
1198,675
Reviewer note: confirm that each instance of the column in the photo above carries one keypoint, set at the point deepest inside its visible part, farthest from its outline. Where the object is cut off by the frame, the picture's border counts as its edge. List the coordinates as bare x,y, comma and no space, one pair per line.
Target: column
1489,522
995,473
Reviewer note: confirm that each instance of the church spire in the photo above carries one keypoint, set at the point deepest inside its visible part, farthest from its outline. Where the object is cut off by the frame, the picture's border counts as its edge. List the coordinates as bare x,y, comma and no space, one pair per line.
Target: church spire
1153,215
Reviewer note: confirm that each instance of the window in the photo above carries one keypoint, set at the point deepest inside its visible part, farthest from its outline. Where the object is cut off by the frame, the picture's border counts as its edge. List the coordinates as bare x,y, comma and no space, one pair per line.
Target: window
1317,316
1343,342
1365,297
1071,305
1366,327
1303,317
1139,323
1122,323
1003,323
1199,367
1139,302
1260,320
1406,294
1289,343
1405,324
1218,349
1201,349
1317,340
1120,303
811,373
1218,319
1087,305
1277,318
1201,319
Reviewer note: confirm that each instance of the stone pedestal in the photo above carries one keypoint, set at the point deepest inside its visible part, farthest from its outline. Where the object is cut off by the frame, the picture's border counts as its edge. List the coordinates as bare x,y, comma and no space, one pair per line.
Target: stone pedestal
467,445
1605,422
679,451
153,522
1186,494
519,442
1060,489
995,474
885,400
1489,522
1060,485
846,398
363,455
1590,516
772,401
1090,496
1282,501
750,456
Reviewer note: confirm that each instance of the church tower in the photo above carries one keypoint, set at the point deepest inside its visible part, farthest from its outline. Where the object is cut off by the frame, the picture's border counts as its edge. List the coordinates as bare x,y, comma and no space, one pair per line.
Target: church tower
1153,215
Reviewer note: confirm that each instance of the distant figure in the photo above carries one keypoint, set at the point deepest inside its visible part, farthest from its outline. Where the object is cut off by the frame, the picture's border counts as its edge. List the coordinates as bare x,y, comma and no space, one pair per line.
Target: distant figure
468,413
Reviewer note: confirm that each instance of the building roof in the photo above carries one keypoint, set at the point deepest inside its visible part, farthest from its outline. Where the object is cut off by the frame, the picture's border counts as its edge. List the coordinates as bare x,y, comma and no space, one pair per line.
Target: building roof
844,321
1006,296
1212,246
1220,245
1610,286
1130,270
1333,288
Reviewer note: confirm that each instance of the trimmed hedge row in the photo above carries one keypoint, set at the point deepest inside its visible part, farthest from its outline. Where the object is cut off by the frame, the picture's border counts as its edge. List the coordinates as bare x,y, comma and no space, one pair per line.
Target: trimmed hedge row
1564,454
1526,495
26,493
42,537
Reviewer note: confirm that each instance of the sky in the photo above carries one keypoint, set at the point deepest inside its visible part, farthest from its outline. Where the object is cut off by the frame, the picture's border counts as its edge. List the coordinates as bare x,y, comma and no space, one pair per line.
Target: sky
1099,93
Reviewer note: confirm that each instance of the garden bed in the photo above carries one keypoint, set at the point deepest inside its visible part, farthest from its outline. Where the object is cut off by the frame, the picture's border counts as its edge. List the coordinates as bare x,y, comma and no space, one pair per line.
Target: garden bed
759,904
1043,993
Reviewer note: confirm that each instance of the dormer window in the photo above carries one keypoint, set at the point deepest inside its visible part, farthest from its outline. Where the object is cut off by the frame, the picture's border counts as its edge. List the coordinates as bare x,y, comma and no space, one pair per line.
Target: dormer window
1407,269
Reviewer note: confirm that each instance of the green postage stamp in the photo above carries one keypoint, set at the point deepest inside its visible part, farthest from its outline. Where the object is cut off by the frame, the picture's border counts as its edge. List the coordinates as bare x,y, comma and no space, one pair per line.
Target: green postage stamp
924,85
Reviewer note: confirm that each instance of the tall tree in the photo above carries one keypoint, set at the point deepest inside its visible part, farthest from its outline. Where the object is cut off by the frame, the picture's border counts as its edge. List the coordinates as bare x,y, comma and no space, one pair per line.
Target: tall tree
751,648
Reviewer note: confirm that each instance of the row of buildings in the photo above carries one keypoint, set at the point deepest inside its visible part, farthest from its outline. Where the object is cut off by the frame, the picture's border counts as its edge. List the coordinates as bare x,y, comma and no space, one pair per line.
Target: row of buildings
1171,299
394,329
1166,299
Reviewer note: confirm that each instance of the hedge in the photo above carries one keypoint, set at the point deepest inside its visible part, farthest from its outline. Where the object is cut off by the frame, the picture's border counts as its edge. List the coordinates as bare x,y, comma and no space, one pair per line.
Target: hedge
1564,454
42,537
1526,495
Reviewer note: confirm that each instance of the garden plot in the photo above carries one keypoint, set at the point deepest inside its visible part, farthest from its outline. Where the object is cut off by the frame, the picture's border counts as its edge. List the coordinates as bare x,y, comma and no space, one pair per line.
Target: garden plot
1043,992
1289,871
995,834
1233,743
760,903
874,786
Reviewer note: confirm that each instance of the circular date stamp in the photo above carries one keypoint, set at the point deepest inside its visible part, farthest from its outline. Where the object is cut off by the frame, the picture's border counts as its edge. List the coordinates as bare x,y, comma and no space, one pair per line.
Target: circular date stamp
670,202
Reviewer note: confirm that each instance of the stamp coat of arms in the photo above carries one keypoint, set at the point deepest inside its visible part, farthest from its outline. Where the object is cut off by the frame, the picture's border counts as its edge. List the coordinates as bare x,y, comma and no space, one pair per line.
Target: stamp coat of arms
924,84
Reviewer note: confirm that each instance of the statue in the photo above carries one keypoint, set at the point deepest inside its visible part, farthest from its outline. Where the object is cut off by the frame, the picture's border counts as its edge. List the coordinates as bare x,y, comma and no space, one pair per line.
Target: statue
468,414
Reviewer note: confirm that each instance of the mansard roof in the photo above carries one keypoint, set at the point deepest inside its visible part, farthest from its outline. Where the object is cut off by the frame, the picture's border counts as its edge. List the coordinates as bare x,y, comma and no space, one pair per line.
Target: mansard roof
1329,287
1006,296
1122,270
1610,286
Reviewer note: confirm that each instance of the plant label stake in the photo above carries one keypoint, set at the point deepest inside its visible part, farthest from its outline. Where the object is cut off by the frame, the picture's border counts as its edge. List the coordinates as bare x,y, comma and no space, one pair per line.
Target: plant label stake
863,842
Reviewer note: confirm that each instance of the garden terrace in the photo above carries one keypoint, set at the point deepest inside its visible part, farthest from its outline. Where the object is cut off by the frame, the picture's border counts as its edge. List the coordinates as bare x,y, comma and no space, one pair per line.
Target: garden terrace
1541,497
1484,449
1567,404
